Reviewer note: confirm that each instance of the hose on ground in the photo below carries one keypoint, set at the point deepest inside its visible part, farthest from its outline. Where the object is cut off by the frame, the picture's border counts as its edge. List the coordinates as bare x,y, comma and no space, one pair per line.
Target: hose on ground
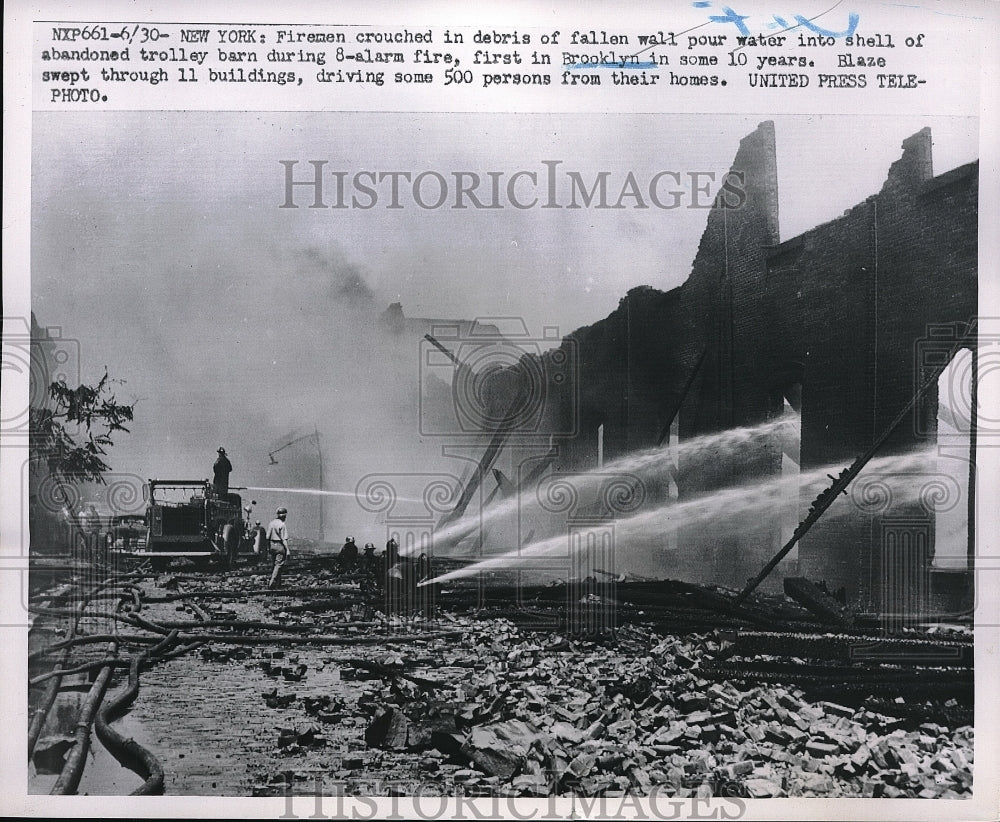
52,690
126,750
90,639
76,760
111,662
129,619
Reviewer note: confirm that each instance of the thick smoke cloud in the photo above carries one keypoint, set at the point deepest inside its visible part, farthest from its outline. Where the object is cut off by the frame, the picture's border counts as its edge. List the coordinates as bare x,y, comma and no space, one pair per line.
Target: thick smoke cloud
158,242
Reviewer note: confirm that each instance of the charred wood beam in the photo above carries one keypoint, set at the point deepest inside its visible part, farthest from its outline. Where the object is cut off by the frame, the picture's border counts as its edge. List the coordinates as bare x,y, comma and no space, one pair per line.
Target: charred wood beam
953,714
857,649
811,597
844,479
684,392
393,673
840,682
500,435
230,594
723,604
320,605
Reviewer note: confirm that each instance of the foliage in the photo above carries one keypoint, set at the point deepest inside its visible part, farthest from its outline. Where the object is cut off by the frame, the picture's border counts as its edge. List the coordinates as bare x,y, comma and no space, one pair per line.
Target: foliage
72,433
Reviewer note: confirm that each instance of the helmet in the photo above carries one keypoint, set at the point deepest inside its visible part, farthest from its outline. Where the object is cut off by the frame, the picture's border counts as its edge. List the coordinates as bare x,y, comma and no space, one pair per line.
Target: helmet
222,450
281,511
350,539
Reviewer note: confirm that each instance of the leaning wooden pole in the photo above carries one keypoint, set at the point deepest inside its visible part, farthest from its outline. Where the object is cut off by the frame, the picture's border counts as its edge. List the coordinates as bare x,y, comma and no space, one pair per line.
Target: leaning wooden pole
497,441
844,479
684,392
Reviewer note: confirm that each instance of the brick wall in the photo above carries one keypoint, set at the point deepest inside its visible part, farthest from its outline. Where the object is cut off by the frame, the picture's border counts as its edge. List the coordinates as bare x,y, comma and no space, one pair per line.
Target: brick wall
840,310
878,278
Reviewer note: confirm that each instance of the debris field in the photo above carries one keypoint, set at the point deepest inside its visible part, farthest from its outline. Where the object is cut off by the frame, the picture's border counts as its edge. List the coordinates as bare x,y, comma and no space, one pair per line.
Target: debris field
314,687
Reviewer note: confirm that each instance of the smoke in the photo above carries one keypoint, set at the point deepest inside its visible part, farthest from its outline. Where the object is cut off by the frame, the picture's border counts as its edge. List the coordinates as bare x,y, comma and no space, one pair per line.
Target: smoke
233,323
249,343
354,381
348,286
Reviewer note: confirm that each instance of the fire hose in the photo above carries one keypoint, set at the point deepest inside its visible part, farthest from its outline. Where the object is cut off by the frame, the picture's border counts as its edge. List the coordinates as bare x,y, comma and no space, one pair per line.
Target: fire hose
127,751
51,692
87,639
76,760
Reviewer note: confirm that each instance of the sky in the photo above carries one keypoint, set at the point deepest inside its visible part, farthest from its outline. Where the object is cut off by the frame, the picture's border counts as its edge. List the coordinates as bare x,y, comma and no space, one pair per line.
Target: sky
159,243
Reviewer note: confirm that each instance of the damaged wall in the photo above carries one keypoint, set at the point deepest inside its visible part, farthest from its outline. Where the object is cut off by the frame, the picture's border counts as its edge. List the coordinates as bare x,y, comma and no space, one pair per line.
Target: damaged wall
877,286
830,324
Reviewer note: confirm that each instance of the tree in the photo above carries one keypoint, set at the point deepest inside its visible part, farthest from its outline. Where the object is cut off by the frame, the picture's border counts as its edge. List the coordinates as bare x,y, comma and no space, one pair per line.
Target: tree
72,432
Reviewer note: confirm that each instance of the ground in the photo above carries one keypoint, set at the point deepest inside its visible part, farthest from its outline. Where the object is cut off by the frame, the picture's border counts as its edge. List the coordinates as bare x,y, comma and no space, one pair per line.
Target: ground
324,692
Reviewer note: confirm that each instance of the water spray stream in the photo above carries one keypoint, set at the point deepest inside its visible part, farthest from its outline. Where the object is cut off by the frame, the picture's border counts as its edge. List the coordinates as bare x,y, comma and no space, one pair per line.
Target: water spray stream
648,463
317,492
720,513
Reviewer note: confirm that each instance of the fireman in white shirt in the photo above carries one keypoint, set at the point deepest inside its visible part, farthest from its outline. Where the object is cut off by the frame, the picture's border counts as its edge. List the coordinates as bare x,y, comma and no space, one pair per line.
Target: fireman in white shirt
277,544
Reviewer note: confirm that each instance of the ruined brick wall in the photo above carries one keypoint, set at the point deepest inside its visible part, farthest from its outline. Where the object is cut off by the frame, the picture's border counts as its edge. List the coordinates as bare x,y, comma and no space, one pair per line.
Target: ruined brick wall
726,306
839,310
873,283
636,364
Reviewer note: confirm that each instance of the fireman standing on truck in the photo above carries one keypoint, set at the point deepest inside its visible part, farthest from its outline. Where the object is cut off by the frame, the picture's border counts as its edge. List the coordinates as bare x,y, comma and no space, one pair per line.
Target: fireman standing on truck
277,545
222,469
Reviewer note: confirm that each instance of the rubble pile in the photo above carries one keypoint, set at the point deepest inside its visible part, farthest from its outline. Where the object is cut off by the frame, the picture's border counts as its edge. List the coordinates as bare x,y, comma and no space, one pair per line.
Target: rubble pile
530,714
760,702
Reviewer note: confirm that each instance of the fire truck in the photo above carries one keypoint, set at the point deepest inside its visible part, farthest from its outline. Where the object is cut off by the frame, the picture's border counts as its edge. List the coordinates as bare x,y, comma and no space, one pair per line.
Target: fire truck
188,518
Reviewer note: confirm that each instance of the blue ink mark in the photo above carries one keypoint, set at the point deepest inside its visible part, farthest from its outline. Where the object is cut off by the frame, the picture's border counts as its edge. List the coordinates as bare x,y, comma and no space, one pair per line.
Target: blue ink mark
701,4
852,24
737,20
732,17
617,65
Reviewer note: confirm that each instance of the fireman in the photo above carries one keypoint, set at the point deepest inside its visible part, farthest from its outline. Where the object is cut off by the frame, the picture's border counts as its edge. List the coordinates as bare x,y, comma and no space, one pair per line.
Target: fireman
348,558
222,469
368,559
277,545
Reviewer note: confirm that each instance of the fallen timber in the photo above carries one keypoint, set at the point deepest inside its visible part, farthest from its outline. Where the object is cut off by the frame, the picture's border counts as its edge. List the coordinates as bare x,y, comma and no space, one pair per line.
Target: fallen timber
842,481
852,648
719,653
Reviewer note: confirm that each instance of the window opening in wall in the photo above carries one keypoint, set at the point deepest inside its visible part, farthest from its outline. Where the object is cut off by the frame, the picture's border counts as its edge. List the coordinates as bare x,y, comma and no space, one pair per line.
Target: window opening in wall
791,440
673,466
954,458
